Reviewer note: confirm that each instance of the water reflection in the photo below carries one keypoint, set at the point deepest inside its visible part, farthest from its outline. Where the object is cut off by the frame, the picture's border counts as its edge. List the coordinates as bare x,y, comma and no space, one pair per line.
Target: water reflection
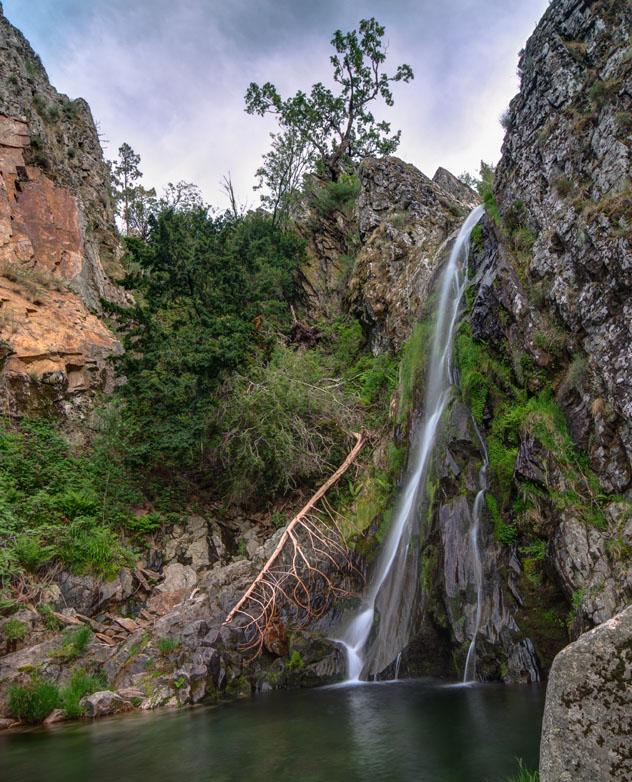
395,731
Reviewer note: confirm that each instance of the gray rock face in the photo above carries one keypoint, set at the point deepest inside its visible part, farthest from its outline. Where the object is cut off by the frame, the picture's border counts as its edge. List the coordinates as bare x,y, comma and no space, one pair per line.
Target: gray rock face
566,163
404,219
587,728
459,190
591,567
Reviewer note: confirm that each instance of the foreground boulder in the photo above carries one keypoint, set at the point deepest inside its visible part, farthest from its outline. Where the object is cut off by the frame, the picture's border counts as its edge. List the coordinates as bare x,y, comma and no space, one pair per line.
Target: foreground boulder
587,728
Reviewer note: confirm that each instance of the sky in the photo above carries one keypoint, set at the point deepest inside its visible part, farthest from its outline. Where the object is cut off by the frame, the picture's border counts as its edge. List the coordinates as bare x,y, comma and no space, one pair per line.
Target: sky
169,76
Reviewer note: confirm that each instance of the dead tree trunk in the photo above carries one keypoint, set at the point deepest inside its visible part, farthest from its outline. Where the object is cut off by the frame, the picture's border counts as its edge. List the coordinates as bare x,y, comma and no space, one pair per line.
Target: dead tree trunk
304,569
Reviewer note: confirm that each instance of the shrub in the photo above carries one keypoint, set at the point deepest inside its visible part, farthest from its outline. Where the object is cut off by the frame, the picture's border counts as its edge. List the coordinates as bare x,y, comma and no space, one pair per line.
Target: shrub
602,91
89,547
58,505
283,424
624,121
34,702
486,192
295,662
562,186
49,619
506,119
80,684
340,195
31,552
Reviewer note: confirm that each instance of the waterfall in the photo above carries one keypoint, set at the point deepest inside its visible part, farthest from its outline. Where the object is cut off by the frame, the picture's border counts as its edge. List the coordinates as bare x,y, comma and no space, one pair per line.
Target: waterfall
387,581
469,673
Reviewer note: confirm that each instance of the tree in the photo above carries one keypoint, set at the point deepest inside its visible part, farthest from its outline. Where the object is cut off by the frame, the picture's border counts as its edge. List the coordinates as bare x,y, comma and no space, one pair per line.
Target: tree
237,209
209,293
183,196
281,175
134,203
340,127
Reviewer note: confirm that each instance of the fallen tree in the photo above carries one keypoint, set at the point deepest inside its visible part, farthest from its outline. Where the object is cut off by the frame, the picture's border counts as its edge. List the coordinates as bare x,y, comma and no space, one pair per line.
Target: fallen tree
303,572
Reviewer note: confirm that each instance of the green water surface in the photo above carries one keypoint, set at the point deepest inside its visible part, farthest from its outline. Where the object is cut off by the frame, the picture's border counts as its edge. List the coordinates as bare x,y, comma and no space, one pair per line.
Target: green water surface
409,730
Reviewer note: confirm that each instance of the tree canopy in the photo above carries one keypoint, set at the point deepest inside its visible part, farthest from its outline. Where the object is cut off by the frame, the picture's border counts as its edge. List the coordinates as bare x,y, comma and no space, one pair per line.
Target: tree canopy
338,125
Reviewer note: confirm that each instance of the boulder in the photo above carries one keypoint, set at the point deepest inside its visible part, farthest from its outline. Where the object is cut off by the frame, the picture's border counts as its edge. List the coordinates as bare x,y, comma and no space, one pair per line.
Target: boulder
102,703
587,727
56,715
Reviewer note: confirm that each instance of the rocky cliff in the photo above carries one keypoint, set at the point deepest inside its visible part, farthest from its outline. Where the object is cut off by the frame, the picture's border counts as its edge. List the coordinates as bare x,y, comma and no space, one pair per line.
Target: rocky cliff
58,241
561,256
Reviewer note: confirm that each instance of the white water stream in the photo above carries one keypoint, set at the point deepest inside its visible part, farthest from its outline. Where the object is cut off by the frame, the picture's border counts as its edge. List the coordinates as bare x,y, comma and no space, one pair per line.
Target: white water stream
387,578
469,673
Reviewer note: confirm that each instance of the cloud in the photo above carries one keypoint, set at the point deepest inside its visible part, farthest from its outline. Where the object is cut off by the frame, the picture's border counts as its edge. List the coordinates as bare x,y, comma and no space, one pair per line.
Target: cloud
169,78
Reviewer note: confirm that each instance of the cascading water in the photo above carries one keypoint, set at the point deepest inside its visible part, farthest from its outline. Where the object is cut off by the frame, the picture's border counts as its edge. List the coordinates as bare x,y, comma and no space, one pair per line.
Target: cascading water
388,578
469,673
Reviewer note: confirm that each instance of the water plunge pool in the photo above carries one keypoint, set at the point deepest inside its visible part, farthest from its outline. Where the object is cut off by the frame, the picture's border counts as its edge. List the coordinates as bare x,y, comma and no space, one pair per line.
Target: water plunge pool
417,731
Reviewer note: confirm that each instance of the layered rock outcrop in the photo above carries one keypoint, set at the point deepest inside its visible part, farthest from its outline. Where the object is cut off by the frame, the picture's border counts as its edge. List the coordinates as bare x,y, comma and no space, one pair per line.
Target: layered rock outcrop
57,238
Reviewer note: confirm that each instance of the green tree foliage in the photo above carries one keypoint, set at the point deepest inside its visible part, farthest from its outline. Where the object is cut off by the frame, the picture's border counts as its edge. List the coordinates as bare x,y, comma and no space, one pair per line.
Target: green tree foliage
339,126
134,203
280,177
210,295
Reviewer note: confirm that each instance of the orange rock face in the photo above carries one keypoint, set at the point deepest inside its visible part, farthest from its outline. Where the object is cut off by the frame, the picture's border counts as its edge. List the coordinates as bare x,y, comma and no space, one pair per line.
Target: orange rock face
53,347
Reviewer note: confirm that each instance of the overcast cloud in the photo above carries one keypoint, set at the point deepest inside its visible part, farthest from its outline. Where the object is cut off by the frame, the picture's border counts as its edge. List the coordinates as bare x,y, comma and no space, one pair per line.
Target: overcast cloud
168,76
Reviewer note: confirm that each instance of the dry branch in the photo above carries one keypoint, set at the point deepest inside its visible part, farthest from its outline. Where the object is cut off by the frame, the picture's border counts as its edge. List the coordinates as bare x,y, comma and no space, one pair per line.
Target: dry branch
296,572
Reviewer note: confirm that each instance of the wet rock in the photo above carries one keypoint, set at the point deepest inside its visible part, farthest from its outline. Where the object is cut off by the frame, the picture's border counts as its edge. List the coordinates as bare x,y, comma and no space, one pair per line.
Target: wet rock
118,590
130,693
532,461
588,713
102,703
565,128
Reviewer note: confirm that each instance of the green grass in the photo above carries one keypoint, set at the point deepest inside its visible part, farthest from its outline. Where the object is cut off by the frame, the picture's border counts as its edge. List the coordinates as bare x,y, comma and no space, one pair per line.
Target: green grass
57,504
80,684
524,775
494,393
34,702
414,357
73,644
14,630
167,645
